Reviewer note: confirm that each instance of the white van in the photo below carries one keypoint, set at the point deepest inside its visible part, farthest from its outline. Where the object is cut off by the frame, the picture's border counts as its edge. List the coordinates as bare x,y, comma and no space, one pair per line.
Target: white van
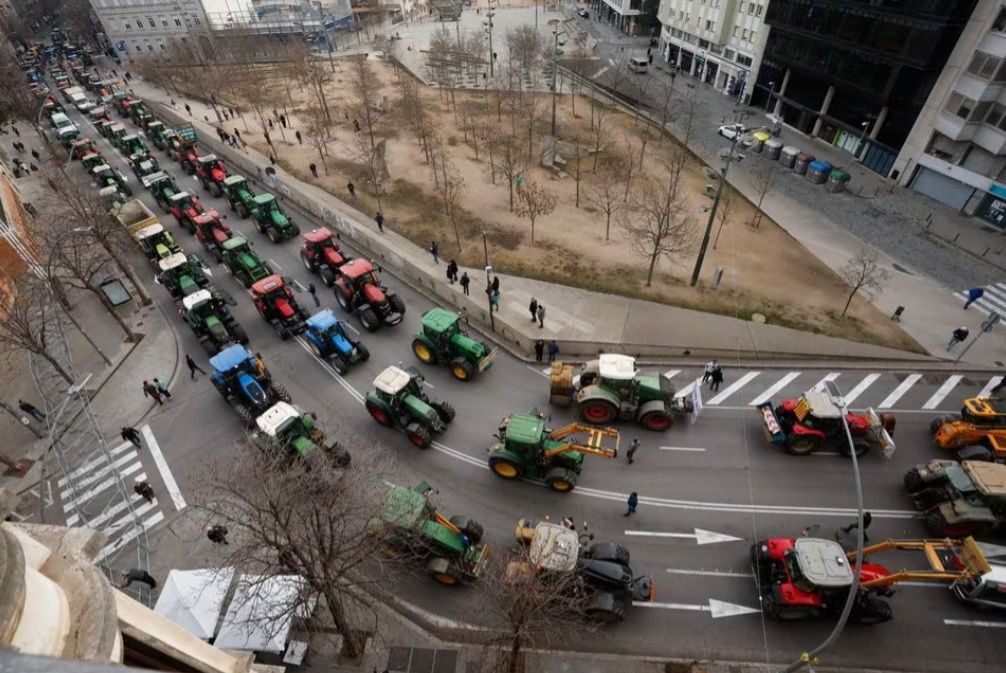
639,64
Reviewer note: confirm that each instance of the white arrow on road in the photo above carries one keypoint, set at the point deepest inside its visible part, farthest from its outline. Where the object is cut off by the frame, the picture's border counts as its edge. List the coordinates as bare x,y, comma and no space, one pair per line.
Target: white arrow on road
714,607
700,536
975,622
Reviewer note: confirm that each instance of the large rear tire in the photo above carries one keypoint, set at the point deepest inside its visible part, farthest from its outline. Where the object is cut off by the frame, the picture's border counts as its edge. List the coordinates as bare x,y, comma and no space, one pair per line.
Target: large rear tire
462,369
397,305
419,437
657,421
913,481
444,410
369,320
471,528
802,445
936,524
327,277
423,352
281,392
378,413
362,351
239,334
560,479
597,412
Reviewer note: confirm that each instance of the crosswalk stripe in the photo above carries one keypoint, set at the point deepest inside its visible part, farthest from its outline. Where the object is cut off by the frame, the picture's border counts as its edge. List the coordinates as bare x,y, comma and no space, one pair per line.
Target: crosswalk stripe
831,376
107,515
671,373
993,382
129,518
994,300
733,388
861,387
108,469
1001,286
943,391
898,392
687,390
87,467
69,506
130,536
774,388
977,304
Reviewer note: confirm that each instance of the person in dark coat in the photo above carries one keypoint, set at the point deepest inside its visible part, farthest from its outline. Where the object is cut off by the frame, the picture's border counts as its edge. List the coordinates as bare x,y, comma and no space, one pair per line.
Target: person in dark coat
632,502
533,308
716,378
553,350
539,350
131,435
217,534
465,281
31,409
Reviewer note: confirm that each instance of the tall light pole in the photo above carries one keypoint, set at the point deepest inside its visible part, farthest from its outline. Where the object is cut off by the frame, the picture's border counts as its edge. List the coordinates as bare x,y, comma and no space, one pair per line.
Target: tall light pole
771,92
862,136
728,156
492,57
555,71
489,291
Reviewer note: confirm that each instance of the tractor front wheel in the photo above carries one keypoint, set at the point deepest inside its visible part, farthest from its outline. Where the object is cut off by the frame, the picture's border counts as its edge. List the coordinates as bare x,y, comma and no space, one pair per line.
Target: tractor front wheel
598,412
239,334
280,392
560,479
339,365
423,352
308,264
444,410
397,305
420,437
369,319
214,189
656,420
913,481
282,331
327,277
504,468
936,524
802,445
378,413
872,610
362,351
462,370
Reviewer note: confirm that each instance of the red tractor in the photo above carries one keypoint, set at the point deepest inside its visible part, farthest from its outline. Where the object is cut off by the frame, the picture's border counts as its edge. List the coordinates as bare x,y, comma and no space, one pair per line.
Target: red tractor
185,207
814,422
188,157
211,171
211,231
359,291
277,306
321,254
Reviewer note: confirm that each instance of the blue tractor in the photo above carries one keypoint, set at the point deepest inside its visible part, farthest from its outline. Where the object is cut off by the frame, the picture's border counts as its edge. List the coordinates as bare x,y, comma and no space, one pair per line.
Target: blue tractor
329,341
243,380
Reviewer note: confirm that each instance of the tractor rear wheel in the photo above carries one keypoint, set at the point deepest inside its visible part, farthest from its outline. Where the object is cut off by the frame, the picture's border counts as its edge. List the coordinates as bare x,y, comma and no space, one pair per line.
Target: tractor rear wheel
245,414
369,319
597,411
871,610
378,413
802,445
936,524
859,446
609,551
913,481
423,352
362,351
239,334
471,528
419,436
503,468
560,479
327,277
280,392
342,300
462,369
604,608
305,260
656,420
450,577
282,331
397,305
339,365
444,410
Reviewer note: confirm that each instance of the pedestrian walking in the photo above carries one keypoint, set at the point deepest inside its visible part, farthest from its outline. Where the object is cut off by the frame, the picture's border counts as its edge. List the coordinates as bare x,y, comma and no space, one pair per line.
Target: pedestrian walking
356,125
172,102
16,132
33,167
193,367
313,291
465,281
717,378
217,533
707,373
974,294
533,307
496,284
632,502
314,169
31,409
553,350
137,575
435,251
233,113
452,271
143,489
539,350
541,316
227,117
149,390
300,139
633,447
188,110
282,120
494,301
130,435
352,189
379,218
162,388
270,123
272,159
959,335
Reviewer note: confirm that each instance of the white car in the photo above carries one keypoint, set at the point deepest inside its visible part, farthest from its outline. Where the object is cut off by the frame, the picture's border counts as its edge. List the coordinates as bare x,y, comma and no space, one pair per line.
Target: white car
86,106
730,131
583,13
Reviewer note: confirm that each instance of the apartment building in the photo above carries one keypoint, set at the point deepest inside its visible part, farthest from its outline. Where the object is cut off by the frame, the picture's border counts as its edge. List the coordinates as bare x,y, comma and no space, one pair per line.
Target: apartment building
139,28
956,151
623,14
717,41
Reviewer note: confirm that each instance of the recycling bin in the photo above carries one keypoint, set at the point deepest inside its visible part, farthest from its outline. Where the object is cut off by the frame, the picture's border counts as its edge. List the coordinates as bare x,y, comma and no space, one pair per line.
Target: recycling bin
837,181
802,161
788,155
772,149
818,171
758,140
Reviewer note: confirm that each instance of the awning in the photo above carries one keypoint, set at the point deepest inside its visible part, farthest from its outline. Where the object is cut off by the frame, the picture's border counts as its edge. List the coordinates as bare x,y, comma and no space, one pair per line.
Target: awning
259,616
193,599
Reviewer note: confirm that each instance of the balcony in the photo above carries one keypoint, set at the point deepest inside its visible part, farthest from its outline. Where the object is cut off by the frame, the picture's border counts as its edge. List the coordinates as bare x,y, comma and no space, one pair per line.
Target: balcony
954,127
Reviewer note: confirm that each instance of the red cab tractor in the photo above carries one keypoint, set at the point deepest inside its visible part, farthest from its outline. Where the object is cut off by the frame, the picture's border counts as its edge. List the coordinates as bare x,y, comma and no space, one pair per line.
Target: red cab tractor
358,290
185,207
211,231
277,306
188,157
211,171
814,422
322,255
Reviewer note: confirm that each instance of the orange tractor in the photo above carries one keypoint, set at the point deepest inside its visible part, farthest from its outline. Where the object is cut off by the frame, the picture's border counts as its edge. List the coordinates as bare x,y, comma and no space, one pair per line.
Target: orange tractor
978,433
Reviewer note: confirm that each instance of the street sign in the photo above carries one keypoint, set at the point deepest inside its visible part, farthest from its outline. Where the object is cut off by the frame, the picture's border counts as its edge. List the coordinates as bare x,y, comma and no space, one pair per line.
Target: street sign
186,132
990,322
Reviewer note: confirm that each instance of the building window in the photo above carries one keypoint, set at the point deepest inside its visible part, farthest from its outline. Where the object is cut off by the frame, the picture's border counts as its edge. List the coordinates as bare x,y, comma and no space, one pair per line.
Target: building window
736,30
728,54
178,22
710,25
744,60
999,25
151,22
981,110
139,48
984,65
746,35
164,22
758,11
129,26
162,47
995,115
139,24
703,44
960,106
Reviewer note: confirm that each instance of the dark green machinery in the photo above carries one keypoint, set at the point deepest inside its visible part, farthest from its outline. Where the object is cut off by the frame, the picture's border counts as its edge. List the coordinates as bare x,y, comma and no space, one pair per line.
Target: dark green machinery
959,499
287,430
132,144
157,132
270,219
205,312
163,187
398,400
239,195
105,176
239,260
155,242
182,275
445,341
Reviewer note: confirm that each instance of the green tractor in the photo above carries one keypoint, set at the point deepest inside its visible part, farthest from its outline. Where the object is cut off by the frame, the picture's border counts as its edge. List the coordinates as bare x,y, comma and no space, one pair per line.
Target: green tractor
205,312
182,275
155,242
240,261
106,176
292,432
398,400
163,187
270,219
451,548
610,389
157,132
527,449
132,144
445,341
239,195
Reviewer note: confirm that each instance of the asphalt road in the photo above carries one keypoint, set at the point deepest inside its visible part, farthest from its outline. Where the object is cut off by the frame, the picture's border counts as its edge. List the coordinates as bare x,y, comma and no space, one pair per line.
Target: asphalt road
715,473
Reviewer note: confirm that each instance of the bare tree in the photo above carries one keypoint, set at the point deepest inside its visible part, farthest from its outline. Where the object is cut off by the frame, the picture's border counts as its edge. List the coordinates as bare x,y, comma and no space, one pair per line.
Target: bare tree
366,89
511,160
863,273
656,224
763,181
599,113
451,188
728,198
18,102
318,130
533,202
24,321
371,160
604,192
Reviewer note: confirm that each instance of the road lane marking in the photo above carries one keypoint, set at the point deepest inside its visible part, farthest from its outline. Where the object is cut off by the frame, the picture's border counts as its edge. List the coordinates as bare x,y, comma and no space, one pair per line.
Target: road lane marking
107,515
694,449
715,608
944,390
993,382
350,327
975,622
273,261
687,390
733,388
538,371
87,467
898,392
600,72
331,372
130,536
773,389
709,573
300,285
163,469
860,388
71,505
831,376
671,373
700,536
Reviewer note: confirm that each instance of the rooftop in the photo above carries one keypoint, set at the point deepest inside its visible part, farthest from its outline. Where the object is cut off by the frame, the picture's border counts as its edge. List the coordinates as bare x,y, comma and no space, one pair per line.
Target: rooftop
197,297
275,416
392,380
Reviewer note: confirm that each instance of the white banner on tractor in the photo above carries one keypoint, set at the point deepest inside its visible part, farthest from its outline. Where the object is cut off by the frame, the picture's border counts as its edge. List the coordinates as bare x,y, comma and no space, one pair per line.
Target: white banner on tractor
696,401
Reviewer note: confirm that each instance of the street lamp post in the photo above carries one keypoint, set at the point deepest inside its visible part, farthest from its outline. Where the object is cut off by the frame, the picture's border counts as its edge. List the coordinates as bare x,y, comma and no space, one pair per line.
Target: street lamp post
729,156
771,92
492,57
555,72
862,136
489,291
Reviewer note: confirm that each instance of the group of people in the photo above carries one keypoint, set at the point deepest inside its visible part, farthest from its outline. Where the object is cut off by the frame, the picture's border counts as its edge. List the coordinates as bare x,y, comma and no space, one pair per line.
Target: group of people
540,347
713,375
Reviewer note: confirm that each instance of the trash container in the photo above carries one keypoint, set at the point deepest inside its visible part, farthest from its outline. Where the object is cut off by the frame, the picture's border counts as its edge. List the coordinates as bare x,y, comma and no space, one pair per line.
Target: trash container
772,149
802,161
837,181
788,155
818,172
758,140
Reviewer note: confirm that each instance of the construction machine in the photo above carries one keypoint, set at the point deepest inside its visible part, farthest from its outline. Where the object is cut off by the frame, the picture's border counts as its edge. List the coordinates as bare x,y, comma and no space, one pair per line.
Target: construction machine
814,422
978,433
957,499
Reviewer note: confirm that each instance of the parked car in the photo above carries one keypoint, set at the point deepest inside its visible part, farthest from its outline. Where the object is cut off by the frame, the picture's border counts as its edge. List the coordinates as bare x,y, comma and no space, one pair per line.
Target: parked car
730,131
580,11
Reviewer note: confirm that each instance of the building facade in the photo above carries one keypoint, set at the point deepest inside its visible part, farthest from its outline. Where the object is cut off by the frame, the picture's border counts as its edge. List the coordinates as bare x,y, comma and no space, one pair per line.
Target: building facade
17,248
139,28
956,151
623,14
857,73
717,41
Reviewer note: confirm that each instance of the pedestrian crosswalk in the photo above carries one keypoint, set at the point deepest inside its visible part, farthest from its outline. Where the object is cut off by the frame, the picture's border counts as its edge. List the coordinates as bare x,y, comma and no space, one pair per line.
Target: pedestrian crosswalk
994,299
99,494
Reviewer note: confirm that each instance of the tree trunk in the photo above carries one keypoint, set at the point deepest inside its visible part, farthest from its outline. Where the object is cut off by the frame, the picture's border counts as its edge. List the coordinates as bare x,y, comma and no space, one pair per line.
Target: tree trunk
607,226
55,365
532,231
849,300
515,646
351,646
653,264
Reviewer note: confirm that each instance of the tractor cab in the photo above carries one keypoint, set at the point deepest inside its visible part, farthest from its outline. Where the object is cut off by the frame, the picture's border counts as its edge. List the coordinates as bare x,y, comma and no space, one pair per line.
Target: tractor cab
143,165
153,181
236,365
155,130
211,220
324,327
67,136
804,425
104,176
284,425
400,390
183,202
155,242
321,249
81,147
132,144
816,410
98,114
273,289
211,166
525,434
90,160
116,132
362,275
182,275
275,302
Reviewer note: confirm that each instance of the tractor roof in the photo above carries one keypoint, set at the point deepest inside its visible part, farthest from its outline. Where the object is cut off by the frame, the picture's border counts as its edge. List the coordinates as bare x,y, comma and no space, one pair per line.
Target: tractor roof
554,547
275,416
172,261
179,196
154,123
153,177
89,155
322,320
207,158
102,167
525,428
268,285
229,358
403,506
616,367
131,136
234,180
823,562
392,380
208,216
318,235
990,478
147,232
118,126
106,191
234,242
821,404
197,297
439,319
356,268
264,198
